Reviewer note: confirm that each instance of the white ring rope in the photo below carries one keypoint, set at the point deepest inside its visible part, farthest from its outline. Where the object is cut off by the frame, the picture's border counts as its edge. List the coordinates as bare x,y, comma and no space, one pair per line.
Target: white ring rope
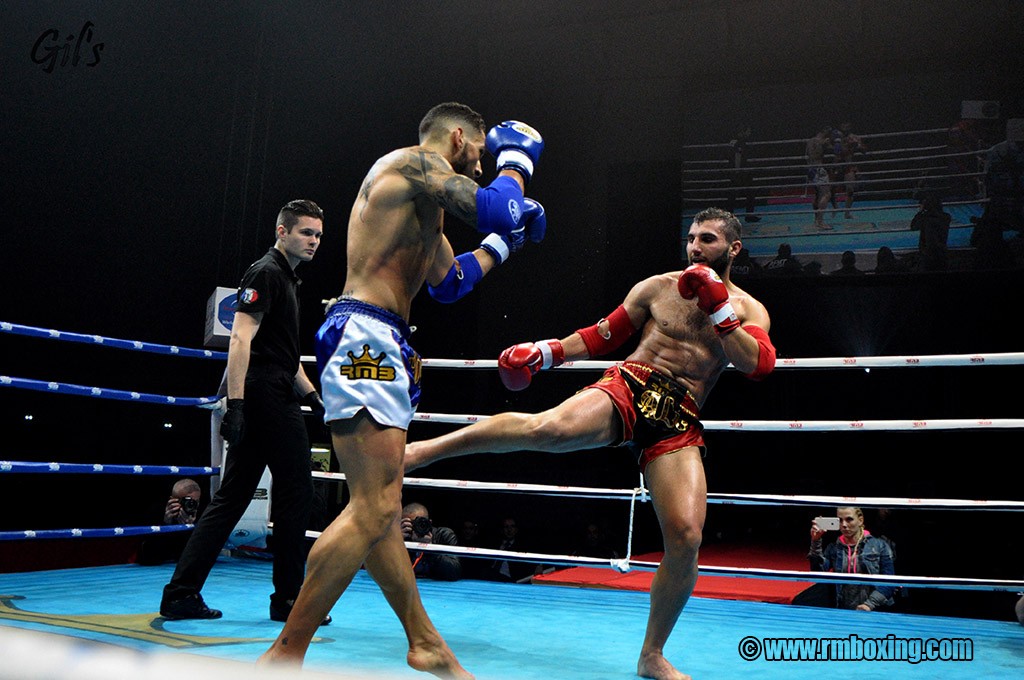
869,208
623,566
905,361
720,498
872,135
860,160
798,425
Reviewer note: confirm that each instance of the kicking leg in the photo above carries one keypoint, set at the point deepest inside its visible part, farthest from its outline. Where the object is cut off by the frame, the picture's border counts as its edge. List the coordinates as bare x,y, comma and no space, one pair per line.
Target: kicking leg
583,421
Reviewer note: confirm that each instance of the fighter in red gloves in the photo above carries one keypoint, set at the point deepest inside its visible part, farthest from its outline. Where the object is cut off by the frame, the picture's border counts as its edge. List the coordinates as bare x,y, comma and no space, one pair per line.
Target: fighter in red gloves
692,325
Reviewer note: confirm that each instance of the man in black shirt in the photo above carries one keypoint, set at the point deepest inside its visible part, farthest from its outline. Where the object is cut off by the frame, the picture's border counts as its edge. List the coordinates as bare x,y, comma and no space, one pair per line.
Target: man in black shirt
263,424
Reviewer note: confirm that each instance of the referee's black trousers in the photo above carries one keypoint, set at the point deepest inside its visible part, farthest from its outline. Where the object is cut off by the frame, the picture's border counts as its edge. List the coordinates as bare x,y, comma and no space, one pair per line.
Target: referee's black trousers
275,436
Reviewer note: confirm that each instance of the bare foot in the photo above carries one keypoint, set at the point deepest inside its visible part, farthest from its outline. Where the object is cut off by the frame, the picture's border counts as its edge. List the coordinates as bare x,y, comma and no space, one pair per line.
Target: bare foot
656,666
439,661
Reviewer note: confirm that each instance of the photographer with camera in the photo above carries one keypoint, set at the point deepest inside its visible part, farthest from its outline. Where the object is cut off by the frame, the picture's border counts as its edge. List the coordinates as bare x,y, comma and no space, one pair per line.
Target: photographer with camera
182,507
418,528
856,551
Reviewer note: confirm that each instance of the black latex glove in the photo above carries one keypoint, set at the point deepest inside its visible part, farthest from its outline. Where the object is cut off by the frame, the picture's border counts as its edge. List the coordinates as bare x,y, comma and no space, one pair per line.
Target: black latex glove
315,404
233,424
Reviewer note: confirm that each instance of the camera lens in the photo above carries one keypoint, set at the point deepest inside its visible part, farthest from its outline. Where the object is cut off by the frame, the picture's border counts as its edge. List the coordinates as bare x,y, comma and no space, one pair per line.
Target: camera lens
189,504
422,525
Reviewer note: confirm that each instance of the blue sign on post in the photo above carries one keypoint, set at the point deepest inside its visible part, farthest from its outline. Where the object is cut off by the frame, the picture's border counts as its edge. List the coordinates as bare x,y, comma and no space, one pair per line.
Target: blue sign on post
226,310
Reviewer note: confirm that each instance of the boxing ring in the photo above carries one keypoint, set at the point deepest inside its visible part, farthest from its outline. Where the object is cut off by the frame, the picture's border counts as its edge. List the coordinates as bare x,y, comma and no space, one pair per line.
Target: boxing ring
102,621
894,172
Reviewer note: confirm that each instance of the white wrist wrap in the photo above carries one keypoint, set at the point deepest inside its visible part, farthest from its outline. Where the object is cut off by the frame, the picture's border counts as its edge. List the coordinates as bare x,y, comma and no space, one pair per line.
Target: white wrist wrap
723,313
547,357
498,244
515,157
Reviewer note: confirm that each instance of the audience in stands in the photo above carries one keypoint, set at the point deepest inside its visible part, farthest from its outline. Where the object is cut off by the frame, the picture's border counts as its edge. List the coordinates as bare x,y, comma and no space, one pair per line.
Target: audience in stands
744,266
886,262
510,570
469,537
848,265
784,262
593,543
812,268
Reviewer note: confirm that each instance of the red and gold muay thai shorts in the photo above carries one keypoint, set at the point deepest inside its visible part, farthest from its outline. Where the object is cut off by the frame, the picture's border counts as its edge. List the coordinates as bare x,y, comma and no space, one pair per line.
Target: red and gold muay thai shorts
658,414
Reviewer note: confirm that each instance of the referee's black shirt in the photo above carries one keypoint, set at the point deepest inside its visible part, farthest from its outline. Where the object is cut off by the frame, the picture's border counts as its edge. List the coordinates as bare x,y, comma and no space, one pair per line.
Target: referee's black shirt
271,287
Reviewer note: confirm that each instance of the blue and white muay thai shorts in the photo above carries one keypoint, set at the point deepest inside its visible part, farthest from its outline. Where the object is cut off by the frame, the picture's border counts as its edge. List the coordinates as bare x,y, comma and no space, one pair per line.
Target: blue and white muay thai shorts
365,362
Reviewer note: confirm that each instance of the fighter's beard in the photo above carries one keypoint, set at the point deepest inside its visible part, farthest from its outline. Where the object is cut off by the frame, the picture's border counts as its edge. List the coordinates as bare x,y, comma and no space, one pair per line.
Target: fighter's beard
720,265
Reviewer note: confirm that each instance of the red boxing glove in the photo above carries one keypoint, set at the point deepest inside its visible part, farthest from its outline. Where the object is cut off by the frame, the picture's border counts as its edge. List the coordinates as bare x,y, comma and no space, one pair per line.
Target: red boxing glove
702,282
518,363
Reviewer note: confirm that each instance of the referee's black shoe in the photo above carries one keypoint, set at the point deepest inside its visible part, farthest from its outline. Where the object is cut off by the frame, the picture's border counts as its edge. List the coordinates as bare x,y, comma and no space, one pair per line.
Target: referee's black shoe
191,607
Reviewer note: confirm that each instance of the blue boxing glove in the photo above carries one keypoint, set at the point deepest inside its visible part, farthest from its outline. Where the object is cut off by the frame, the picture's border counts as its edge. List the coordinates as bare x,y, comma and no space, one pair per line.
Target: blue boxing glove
534,220
534,225
516,146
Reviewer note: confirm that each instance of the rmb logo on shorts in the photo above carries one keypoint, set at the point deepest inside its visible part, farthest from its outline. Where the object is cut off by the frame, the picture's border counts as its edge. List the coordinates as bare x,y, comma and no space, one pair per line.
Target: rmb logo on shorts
365,367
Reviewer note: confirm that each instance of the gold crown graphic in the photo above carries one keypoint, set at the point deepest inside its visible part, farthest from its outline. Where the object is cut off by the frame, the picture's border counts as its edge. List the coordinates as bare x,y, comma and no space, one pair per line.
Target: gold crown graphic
365,359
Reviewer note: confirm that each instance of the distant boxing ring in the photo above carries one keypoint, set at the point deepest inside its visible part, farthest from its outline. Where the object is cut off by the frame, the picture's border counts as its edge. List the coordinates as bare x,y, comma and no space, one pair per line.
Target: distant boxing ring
895,171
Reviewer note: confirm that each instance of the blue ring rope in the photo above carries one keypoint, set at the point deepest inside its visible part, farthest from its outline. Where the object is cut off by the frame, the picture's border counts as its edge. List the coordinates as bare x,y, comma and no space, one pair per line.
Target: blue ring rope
136,345
100,468
92,533
104,393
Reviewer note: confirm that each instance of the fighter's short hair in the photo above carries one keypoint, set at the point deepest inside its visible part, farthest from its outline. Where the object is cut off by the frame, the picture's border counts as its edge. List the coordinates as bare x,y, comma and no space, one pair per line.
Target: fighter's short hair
733,230
447,114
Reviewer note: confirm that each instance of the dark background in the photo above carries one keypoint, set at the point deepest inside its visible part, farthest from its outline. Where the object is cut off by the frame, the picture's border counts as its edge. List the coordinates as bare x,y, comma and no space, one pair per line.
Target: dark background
148,171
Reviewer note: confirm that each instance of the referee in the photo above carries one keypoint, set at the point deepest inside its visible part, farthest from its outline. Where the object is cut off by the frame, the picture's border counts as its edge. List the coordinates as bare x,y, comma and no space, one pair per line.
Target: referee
263,425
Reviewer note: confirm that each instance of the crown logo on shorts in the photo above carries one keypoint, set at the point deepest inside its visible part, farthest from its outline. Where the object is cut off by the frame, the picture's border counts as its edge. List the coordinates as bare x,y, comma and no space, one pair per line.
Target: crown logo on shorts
365,367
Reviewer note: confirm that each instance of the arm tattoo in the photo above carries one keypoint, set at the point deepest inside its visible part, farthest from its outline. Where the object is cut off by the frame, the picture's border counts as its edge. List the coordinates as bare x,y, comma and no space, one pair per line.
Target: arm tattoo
453,192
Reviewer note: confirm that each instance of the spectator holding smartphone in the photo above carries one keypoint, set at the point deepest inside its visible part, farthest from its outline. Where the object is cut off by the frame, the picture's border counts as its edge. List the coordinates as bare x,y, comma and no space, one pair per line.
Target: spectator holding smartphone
856,551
